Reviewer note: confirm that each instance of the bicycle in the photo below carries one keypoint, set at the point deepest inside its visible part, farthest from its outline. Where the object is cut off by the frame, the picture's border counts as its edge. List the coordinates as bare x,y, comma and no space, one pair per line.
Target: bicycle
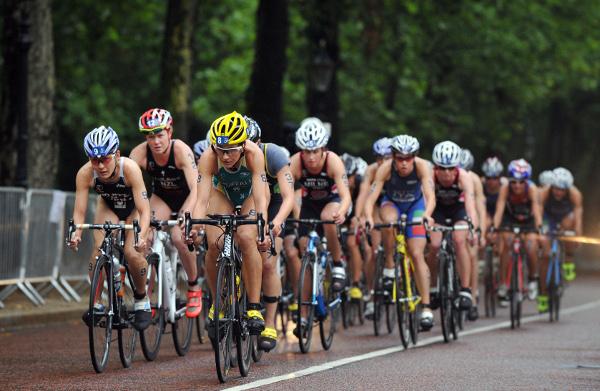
404,291
231,301
322,304
554,277
448,279
352,309
111,300
202,319
515,274
382,298
166,287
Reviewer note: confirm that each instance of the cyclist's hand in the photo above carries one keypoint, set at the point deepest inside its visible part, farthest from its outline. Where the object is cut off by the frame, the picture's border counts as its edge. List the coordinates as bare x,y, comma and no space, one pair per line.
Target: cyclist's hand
277,227
482,241
74,242
338,218
265,245
141,245
369,222
429,219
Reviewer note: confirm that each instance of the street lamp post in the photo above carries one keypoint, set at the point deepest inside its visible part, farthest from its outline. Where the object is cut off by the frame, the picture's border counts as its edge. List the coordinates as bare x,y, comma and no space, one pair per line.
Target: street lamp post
322,69
24,43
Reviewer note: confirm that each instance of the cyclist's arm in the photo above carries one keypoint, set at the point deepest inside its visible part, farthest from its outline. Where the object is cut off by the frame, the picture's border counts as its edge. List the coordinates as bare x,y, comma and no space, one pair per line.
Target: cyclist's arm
133,173
184,160
577,200
500,205
206,168
83,182
363,192
426,176
260,188
337,172
535,205
286,186
467,186
480,202
381,175
138,155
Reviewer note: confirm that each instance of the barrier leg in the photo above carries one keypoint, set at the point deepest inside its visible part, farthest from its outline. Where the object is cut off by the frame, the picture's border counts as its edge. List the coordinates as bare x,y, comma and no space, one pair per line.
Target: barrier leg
1,304
7,291
28,293
35,292
60,290
70,289
45,289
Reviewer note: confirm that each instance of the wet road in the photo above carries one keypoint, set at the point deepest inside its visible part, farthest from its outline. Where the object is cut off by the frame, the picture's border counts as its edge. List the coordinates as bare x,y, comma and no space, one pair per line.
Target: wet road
488,355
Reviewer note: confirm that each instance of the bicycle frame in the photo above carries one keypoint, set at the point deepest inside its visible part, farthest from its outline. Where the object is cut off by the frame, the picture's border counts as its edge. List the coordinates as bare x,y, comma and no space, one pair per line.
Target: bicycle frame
518,257
408,268
554,265
162,246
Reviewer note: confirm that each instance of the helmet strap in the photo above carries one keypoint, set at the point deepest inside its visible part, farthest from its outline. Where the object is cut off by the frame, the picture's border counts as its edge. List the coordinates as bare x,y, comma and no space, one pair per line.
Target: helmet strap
116,166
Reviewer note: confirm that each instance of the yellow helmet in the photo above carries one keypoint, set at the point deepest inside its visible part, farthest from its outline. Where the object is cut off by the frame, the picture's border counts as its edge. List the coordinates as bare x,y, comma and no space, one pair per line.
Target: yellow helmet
228,129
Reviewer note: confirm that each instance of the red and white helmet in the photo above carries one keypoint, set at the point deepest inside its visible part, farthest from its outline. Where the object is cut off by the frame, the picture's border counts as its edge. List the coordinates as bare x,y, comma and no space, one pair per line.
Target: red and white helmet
155,120
519,169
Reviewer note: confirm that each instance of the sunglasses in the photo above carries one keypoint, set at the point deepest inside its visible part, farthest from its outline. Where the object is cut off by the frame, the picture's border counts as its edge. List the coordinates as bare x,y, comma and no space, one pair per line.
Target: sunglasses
403,158
104,159
440,168
147,132
232,150
517,181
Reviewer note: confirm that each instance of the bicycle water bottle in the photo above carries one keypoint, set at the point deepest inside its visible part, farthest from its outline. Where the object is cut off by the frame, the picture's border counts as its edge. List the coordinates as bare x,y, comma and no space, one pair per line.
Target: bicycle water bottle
321,310
116,273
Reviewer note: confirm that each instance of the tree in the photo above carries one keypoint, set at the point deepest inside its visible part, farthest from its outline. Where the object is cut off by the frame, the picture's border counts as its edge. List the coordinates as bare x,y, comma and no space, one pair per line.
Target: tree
176,72
265,93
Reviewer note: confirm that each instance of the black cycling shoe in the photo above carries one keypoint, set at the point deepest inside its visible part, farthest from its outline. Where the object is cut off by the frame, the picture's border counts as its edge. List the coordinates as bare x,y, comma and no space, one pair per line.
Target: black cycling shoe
267,340
143,314
87,317
465,300
297,328
388,284
426,321
338,278
256,322
473,314
434,300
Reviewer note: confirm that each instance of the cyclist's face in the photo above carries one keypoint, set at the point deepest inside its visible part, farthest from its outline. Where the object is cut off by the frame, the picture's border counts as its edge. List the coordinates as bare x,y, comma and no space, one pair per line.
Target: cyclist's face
105,166
229,155
159,142
404,163
445,175
492,183
518,185
312,158
558,194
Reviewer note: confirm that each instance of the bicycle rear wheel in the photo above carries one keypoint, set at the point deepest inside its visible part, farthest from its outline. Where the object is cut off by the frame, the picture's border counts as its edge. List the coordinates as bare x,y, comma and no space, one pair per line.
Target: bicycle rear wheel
414,315
127,335
202,319
100,319
183,326
379,305
243,342
515,302
305,302
400,299
223,320
332,302
151,337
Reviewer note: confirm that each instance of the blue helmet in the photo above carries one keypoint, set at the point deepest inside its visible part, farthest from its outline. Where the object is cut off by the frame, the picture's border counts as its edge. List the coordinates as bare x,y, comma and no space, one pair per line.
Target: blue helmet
382,147
100,142
200,147
519,169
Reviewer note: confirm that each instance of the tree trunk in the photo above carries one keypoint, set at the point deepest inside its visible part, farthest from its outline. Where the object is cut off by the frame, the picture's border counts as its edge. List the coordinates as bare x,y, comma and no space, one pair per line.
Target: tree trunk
8,99
265,93
323,17
43,143
176,72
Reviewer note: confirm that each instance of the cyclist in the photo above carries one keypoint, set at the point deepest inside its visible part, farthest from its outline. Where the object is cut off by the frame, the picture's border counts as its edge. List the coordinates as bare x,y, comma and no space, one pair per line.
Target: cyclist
123,197
352,238
199,148
563,207
382,151
281,187
455,201
232,174
546,177
407,188
466,162
325,194
517,205
172,167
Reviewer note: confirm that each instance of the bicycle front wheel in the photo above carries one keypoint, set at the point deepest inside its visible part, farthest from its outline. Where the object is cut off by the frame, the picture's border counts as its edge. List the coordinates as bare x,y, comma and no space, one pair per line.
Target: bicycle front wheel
445,296
151,337
332,302
243,342
305,304
401,304
100,313
127,335
222,320
490,283
183,326
413,316
515,301
378,295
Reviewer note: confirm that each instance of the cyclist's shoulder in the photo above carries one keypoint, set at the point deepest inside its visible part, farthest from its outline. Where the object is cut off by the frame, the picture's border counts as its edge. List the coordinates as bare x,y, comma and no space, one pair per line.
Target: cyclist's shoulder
85,174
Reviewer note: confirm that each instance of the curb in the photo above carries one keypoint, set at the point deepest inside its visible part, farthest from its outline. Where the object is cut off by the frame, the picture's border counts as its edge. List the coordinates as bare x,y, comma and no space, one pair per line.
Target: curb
33,318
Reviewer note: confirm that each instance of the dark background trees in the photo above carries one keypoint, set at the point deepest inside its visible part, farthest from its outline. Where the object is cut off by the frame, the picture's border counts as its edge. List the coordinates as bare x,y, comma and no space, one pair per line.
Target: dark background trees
518,78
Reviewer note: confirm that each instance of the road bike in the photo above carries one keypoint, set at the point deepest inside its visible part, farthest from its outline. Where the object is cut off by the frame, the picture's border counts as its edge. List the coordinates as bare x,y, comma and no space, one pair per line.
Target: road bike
554,275
111,303
166,287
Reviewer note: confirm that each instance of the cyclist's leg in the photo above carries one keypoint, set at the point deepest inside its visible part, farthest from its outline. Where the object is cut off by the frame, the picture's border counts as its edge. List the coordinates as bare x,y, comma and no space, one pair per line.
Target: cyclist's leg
463,265
355,260
568,223
532,248
370,258
219,204
292,257
333,244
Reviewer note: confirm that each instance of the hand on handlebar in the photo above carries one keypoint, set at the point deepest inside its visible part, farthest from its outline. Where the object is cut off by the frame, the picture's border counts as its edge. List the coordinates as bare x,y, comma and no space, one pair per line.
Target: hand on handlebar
140,247
265,245
73,243
428,221
338,217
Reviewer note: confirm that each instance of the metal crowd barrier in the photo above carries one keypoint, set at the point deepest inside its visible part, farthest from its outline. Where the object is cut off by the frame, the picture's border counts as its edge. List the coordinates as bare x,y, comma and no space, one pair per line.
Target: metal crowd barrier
32,246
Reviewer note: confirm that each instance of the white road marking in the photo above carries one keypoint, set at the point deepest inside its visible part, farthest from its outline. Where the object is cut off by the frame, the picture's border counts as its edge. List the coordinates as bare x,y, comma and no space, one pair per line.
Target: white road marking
384,352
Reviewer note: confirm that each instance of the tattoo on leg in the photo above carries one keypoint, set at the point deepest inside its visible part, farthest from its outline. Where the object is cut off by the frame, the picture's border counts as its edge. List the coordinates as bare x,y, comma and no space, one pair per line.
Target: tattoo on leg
90,267
252,212
263,177
143,272
145,195
199,178
289,178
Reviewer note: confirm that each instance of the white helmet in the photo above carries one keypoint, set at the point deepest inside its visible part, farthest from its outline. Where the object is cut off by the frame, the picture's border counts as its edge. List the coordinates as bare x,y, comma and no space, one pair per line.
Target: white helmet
405,144
446,154
563,179
361,166
200,147
466,159
492,167
382,147
312,134
100,142
546,178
